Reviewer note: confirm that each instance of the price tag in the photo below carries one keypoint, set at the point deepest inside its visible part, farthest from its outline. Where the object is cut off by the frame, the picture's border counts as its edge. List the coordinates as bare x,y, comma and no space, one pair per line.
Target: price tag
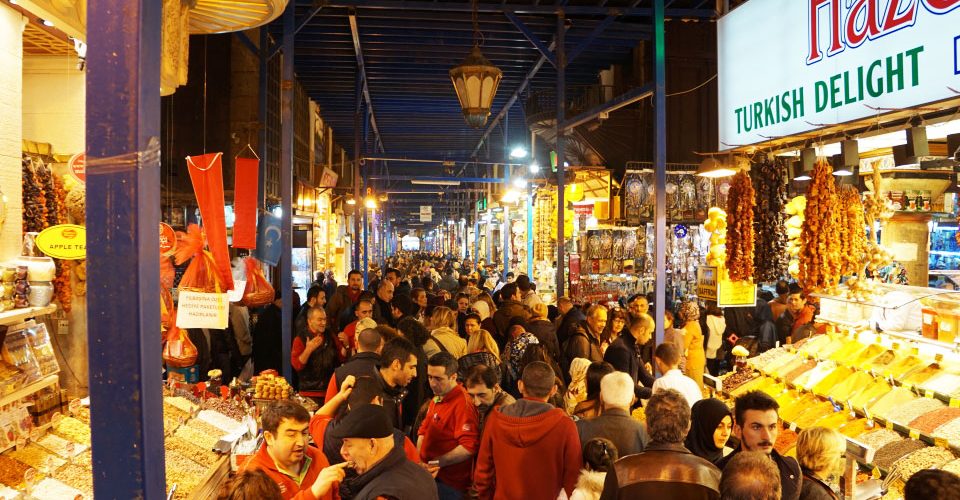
871,424
71,449
793,427
928,394
941,442
914,434
875,473
35,434
889,425
938,358
74,406
954,403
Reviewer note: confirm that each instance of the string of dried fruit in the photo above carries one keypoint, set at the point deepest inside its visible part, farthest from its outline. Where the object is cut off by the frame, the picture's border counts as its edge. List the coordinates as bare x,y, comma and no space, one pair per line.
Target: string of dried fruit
740,203
770,259
854,237
33,200
820,260
61,285
61,195
45,178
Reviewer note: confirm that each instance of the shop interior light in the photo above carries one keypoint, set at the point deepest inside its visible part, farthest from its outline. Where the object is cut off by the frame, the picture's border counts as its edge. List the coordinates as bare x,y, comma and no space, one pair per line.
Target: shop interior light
799,173
46,22
351,201
370,202
511,196
278,211
434,182
955,178
518,152
520,183
714,168
451,222
534,167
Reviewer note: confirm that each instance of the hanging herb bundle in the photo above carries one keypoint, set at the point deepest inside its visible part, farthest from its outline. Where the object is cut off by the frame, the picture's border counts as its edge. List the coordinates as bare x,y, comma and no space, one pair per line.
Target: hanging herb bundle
740,204
820,260
770,257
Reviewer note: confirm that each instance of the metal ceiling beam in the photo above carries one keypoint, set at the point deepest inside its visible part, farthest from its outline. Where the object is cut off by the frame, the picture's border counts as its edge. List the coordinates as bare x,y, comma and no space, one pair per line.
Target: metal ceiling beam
482,180
543,10
533,38
361,68
597,30
614,104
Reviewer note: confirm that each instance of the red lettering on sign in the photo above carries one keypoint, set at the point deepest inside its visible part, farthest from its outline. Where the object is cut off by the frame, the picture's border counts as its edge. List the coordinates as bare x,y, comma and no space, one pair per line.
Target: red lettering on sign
850,24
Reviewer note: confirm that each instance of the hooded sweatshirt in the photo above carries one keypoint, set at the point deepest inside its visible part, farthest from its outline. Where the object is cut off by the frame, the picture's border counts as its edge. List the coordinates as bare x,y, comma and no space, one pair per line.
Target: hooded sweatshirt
528,439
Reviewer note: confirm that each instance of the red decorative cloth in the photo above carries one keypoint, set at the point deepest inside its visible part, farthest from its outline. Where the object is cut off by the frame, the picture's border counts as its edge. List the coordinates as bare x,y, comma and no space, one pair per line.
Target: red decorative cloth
206,173
245,185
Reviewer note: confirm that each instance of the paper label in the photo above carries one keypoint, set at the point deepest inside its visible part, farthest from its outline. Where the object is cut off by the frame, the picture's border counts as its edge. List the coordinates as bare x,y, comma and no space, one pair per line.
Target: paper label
203,310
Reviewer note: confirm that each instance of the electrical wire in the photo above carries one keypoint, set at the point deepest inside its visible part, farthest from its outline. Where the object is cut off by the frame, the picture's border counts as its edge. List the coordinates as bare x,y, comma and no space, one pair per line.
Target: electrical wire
708,80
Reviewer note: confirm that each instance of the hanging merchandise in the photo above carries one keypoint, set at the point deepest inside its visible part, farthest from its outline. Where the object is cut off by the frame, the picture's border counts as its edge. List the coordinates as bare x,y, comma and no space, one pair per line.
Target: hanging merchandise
716,225
206,173
820,236
769,258
853,225
740,203
246,180
794,224
269,247
258,291
178,351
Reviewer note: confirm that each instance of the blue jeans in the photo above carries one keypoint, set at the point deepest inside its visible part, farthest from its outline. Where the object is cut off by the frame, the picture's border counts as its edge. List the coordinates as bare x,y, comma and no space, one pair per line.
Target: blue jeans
446,492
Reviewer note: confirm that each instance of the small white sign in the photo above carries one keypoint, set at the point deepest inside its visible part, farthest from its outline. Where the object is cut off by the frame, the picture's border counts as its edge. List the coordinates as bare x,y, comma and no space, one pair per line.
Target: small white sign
237,293
426,217
203,310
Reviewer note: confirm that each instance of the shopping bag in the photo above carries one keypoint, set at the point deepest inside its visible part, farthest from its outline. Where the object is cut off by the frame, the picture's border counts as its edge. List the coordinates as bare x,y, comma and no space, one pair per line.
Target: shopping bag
178,351
258,292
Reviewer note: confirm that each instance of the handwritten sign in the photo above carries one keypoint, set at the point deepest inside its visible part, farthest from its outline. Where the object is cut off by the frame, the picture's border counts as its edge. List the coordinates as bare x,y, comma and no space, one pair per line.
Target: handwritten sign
203,310
712,285
63,241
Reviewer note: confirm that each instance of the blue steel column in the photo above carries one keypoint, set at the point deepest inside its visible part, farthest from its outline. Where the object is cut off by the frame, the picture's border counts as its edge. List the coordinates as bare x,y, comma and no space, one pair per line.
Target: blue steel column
286,187
476,239
356,172
561,98
264,56
660,165
530,234
506,239
123,120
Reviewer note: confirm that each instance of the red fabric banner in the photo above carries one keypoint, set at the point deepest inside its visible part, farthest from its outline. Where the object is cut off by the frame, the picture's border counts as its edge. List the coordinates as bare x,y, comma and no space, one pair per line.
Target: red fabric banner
246,180
206,173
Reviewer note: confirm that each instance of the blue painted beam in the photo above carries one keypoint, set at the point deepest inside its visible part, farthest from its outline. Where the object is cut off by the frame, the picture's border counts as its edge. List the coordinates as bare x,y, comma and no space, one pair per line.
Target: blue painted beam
123,176
299,26
561,109
543,10
597,30
361,68
287,84
248,43
532,37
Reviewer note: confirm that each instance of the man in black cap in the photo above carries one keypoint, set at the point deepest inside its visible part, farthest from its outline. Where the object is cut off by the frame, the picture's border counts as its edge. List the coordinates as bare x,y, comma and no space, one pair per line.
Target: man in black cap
383,468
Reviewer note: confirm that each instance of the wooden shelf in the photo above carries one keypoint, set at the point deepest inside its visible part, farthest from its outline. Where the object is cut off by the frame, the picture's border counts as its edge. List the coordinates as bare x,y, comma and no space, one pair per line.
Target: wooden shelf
15,316
29,389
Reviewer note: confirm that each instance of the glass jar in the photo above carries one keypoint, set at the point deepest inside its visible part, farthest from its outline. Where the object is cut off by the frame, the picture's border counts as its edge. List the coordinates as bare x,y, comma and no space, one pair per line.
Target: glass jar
9,274
41,293
40,268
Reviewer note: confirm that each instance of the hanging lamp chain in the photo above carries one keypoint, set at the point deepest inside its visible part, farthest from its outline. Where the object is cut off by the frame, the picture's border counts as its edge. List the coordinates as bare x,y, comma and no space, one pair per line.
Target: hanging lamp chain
476,24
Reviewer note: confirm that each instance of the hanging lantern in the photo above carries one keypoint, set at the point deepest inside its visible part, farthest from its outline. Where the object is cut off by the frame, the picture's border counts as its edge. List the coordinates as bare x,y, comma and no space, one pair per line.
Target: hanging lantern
475,80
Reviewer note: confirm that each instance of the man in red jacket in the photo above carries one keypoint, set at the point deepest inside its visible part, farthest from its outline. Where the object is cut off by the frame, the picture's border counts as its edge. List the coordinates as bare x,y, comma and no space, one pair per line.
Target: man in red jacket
301,471
529,449
449,434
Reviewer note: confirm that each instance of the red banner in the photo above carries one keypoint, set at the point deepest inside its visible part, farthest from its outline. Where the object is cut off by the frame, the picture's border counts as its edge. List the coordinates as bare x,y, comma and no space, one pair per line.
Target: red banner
206,173
245,184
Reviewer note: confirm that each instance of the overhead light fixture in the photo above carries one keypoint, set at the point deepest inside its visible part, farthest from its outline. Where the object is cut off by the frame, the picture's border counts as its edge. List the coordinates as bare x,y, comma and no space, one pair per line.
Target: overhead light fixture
799,172
714,168
534,167
46,22
520,183
278,211
953,188
351,201
421,182
518,152
476,80
859,181
370,202
848,159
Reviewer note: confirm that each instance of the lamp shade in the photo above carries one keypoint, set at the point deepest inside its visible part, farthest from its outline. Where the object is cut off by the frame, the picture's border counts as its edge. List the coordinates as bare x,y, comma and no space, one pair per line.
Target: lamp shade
712,167
475,80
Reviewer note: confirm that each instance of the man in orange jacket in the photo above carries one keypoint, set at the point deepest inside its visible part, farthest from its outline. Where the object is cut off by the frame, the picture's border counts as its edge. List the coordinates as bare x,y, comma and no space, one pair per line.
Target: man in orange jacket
301,471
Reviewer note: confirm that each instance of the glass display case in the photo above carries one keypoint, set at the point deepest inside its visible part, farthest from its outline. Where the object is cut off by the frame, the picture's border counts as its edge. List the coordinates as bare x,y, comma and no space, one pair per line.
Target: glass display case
944,259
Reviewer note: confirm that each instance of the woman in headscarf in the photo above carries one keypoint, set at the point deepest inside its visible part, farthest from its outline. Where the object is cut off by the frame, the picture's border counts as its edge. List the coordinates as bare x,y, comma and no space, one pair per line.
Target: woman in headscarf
512,356
577,390
696,357
710,425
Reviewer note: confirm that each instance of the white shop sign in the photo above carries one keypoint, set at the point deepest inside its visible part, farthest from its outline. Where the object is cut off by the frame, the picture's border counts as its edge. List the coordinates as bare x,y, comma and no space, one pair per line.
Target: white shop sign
790,66
202,310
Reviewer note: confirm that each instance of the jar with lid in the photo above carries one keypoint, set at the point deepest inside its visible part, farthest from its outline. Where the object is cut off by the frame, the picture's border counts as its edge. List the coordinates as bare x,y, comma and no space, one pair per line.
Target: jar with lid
39,268
41,293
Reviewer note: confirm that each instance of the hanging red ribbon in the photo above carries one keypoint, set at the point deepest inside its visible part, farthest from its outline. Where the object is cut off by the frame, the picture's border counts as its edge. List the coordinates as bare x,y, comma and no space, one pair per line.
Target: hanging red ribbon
245,184
206,173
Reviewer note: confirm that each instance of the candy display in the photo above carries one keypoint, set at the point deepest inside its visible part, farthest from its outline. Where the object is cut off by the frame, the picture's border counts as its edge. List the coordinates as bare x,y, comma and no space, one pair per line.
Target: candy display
272,387
73,429
186,406
191,450
183,472
76,477
17,352
879,438
220,421
929,422
224,407
740,236
63,448
51,488
37,457
204,428
906,413
191,435
925,458
11,472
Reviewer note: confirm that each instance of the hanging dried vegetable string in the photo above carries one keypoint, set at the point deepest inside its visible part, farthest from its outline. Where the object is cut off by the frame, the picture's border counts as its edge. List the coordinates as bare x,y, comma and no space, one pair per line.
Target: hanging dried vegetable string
769,258
820,260
740,203
854,241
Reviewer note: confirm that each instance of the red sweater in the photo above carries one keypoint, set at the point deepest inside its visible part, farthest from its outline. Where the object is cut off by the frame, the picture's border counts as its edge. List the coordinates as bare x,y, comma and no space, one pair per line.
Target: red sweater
528,439
293,488
448,423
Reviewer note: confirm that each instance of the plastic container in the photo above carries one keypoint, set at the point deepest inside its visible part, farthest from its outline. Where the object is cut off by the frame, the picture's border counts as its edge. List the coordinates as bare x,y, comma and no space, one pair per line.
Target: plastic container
930,323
